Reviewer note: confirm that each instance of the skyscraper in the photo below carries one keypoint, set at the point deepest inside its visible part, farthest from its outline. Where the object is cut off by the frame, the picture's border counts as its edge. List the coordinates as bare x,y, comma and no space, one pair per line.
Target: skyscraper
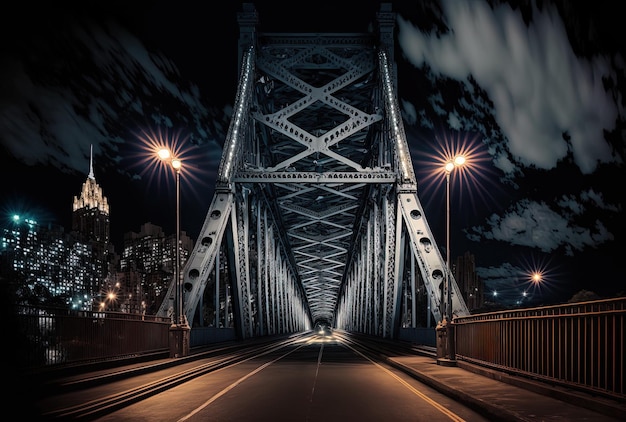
90,223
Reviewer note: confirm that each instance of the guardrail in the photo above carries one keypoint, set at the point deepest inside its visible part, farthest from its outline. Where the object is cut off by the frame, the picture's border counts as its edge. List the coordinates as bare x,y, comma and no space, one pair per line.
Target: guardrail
577,345
47,337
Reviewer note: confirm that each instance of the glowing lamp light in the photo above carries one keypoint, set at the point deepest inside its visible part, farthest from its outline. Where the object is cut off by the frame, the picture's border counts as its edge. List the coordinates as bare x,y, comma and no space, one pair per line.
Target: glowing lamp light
459,160
164,153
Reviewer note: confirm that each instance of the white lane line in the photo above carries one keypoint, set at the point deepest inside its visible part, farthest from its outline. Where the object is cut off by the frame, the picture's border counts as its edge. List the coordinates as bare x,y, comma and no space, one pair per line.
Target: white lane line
235,384
453,416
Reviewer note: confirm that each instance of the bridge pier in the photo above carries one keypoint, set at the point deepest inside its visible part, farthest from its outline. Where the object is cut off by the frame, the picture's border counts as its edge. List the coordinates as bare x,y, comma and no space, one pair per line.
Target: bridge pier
446,354
179,340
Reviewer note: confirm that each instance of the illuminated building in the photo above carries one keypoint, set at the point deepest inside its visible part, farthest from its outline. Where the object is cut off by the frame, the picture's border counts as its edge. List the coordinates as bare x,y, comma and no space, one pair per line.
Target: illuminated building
80,269
47,265
147,265
90,224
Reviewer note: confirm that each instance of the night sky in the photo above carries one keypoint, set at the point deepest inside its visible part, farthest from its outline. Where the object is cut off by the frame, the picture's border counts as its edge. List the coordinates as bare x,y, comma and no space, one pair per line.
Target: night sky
533,92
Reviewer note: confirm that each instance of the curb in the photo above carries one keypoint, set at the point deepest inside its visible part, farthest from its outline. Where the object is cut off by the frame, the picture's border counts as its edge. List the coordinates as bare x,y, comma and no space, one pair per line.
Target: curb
489,410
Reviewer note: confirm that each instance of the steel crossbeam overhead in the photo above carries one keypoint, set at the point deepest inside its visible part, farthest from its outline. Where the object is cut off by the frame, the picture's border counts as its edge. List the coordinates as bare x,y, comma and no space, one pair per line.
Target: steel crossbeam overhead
315,207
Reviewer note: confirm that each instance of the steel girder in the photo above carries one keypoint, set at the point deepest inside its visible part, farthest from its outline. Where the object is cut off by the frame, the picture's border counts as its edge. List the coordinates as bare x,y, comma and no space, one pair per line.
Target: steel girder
267,294
316,192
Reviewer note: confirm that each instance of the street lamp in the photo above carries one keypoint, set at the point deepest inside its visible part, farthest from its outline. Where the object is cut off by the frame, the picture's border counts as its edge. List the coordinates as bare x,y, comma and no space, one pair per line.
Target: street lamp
458,161
166,155
536,277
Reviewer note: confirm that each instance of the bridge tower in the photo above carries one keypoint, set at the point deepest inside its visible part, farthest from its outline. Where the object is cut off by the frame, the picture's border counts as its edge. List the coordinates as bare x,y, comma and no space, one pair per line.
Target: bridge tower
315,206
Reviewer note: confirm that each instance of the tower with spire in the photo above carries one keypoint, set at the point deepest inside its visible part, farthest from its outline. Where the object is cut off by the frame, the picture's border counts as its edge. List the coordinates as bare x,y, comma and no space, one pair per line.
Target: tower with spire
90,222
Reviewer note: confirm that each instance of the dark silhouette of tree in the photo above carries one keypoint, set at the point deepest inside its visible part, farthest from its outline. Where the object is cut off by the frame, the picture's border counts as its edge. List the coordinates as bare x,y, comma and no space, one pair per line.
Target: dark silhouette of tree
584,296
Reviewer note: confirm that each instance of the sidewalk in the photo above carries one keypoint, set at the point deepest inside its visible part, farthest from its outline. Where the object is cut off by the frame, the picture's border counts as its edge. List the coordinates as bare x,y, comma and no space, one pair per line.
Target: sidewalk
502,397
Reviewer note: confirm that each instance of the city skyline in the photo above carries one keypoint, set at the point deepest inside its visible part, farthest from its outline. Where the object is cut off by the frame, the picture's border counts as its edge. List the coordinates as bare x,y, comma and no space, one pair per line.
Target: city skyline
534,104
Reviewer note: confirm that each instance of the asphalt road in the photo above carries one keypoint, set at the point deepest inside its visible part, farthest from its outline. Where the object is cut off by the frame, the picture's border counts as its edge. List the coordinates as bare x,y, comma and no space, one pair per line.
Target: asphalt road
318,379
307,377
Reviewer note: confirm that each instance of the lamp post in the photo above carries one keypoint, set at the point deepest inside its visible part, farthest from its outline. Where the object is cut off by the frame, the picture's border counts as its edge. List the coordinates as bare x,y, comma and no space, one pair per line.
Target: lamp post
180,327
166,155
458,161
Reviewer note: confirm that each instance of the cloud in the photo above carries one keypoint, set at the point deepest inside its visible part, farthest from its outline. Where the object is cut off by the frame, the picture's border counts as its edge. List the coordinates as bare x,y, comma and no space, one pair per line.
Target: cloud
497,278
537,106
99,89
537,225
548,102
408,112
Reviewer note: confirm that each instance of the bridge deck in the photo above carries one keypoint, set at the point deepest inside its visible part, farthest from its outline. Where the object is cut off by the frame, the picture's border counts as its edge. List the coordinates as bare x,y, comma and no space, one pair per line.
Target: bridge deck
494,394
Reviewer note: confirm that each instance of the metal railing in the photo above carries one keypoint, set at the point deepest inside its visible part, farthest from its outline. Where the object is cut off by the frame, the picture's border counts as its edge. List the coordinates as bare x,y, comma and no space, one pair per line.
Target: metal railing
47,337
578,345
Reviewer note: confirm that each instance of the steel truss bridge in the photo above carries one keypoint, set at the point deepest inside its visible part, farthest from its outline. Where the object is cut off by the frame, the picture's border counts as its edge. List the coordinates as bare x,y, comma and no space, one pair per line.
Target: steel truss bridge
316,214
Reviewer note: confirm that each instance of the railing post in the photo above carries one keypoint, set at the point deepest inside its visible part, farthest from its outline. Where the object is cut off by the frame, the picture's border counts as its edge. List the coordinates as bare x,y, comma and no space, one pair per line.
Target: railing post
446,355
179,340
